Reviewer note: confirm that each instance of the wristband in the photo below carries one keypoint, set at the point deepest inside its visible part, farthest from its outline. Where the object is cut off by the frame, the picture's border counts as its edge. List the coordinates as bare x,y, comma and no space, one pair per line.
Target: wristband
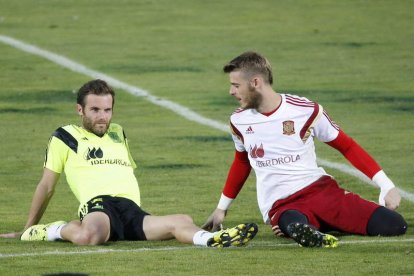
224,202
382,181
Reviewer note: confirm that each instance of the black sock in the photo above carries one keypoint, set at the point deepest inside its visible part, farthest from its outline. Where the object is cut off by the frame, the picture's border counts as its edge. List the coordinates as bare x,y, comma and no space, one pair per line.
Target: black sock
288,217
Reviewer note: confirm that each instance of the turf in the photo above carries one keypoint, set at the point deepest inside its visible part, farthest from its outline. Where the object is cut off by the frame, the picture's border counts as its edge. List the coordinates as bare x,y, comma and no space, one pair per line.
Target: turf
353,57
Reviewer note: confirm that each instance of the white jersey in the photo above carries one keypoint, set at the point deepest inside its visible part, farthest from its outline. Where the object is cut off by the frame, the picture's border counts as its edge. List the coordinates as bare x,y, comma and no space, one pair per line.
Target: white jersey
280,146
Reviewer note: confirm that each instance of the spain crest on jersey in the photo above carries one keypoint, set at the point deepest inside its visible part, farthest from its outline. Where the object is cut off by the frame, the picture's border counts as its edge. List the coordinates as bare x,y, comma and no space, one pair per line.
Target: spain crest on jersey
288,127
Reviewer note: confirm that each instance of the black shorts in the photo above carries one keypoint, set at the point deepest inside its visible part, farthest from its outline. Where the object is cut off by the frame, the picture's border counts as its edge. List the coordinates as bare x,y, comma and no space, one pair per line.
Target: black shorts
125,216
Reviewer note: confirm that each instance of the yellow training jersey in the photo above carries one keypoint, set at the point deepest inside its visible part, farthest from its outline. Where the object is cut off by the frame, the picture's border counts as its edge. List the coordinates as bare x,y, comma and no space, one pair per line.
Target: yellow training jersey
93,165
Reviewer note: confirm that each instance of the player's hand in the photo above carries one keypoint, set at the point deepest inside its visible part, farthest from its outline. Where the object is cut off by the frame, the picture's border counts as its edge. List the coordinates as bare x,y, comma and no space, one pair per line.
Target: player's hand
276,230
215,220
392,199
13,235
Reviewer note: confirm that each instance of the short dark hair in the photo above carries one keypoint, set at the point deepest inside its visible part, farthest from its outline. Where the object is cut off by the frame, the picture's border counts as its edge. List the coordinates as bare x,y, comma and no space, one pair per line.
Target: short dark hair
251,63
96,87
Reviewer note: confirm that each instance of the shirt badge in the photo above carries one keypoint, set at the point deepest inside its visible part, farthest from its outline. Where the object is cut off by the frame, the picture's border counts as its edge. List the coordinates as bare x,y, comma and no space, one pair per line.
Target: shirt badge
288,127
114,136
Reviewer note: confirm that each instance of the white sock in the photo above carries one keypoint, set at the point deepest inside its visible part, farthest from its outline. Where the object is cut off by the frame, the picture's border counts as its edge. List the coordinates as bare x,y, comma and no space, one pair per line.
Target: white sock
201,237
53,232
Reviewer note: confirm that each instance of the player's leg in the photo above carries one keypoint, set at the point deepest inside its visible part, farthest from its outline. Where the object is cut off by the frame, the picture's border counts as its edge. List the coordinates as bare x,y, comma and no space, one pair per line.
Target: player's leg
349,213
94,229
295,225
288,217
385,222
295,216
167,227
184,230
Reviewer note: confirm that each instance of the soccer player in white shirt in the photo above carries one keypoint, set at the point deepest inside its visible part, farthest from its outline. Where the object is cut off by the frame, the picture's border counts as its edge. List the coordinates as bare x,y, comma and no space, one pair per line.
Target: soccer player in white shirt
274,134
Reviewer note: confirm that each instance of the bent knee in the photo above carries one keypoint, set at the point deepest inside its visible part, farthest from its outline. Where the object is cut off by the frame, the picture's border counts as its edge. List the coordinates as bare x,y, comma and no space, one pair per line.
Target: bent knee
385,222
178,222
185,219
87,237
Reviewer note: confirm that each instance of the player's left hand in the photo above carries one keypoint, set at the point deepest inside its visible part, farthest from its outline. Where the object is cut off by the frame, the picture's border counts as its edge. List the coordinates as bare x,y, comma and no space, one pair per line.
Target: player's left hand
392,199
215,220
13,235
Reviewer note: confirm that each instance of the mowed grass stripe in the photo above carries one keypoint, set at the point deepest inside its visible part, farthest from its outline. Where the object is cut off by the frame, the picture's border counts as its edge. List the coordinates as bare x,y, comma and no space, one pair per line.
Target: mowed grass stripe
176,108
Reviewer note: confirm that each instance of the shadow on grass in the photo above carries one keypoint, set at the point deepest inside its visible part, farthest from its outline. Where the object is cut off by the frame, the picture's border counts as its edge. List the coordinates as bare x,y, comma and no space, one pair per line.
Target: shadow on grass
37,110
46,96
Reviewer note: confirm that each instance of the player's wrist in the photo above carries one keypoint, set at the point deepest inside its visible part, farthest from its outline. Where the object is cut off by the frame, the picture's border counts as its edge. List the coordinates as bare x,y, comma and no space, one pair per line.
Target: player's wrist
382,181
224,202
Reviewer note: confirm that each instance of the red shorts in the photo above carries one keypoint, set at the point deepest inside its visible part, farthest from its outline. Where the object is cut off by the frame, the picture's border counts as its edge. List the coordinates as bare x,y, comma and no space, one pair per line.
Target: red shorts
327,205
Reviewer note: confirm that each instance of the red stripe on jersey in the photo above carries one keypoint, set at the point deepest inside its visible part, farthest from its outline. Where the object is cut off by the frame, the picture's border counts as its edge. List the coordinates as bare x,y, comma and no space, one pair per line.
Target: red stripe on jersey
297,99
330,120
299,102
236,132
309,121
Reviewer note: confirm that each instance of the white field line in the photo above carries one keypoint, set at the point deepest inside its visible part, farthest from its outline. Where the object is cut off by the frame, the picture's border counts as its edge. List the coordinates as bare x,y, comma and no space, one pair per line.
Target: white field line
179,248
174,107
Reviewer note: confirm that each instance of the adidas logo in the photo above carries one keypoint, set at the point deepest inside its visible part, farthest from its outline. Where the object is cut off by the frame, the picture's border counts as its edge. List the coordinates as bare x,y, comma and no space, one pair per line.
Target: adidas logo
249,130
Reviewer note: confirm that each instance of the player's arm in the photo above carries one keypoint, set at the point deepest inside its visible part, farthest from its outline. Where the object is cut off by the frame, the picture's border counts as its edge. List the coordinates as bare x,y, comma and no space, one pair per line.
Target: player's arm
238,173
362,160
42,195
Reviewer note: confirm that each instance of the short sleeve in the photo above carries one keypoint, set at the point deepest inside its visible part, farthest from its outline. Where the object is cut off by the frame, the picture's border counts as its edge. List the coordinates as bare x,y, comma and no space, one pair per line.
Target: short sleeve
326,129
56,155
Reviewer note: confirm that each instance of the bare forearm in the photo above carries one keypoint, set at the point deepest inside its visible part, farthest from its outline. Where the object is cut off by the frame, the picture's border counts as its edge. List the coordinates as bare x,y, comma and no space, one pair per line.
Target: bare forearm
39,204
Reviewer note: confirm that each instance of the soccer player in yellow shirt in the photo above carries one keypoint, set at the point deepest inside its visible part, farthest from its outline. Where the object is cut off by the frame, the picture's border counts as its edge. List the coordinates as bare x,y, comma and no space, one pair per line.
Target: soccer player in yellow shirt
99,170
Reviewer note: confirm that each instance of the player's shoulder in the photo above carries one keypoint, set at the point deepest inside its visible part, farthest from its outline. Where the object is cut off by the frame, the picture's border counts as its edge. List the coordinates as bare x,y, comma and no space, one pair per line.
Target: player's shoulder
298,100
66,131
115,127
116,132
67,135
239,113
301,104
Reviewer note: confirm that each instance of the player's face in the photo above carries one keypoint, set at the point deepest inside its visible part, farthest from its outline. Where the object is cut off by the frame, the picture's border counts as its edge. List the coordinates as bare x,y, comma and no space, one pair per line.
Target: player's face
242,89
97,113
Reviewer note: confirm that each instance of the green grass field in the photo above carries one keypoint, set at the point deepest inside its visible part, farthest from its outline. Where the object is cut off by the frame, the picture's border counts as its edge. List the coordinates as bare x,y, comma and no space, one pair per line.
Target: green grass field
354,57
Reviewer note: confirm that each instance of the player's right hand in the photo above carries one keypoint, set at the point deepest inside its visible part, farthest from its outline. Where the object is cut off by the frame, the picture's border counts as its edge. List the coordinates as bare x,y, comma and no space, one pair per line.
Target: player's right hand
13,235
215,220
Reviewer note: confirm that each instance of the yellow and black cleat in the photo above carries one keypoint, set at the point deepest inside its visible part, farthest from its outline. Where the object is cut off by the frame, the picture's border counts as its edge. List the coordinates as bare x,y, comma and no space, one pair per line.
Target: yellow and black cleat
239,235
307,236
38,232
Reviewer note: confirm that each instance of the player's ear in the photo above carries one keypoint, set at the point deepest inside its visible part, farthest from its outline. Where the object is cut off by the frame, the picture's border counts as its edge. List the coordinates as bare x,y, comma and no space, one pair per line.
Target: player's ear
255,82
79,109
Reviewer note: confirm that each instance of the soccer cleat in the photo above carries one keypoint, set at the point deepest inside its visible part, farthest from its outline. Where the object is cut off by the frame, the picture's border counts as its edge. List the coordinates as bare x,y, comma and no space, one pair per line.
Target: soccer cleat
307,236
239,235
38,232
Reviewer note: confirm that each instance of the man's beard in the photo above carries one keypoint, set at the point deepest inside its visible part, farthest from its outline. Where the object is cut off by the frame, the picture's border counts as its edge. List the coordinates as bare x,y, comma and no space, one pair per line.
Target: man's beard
253,100
91,127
